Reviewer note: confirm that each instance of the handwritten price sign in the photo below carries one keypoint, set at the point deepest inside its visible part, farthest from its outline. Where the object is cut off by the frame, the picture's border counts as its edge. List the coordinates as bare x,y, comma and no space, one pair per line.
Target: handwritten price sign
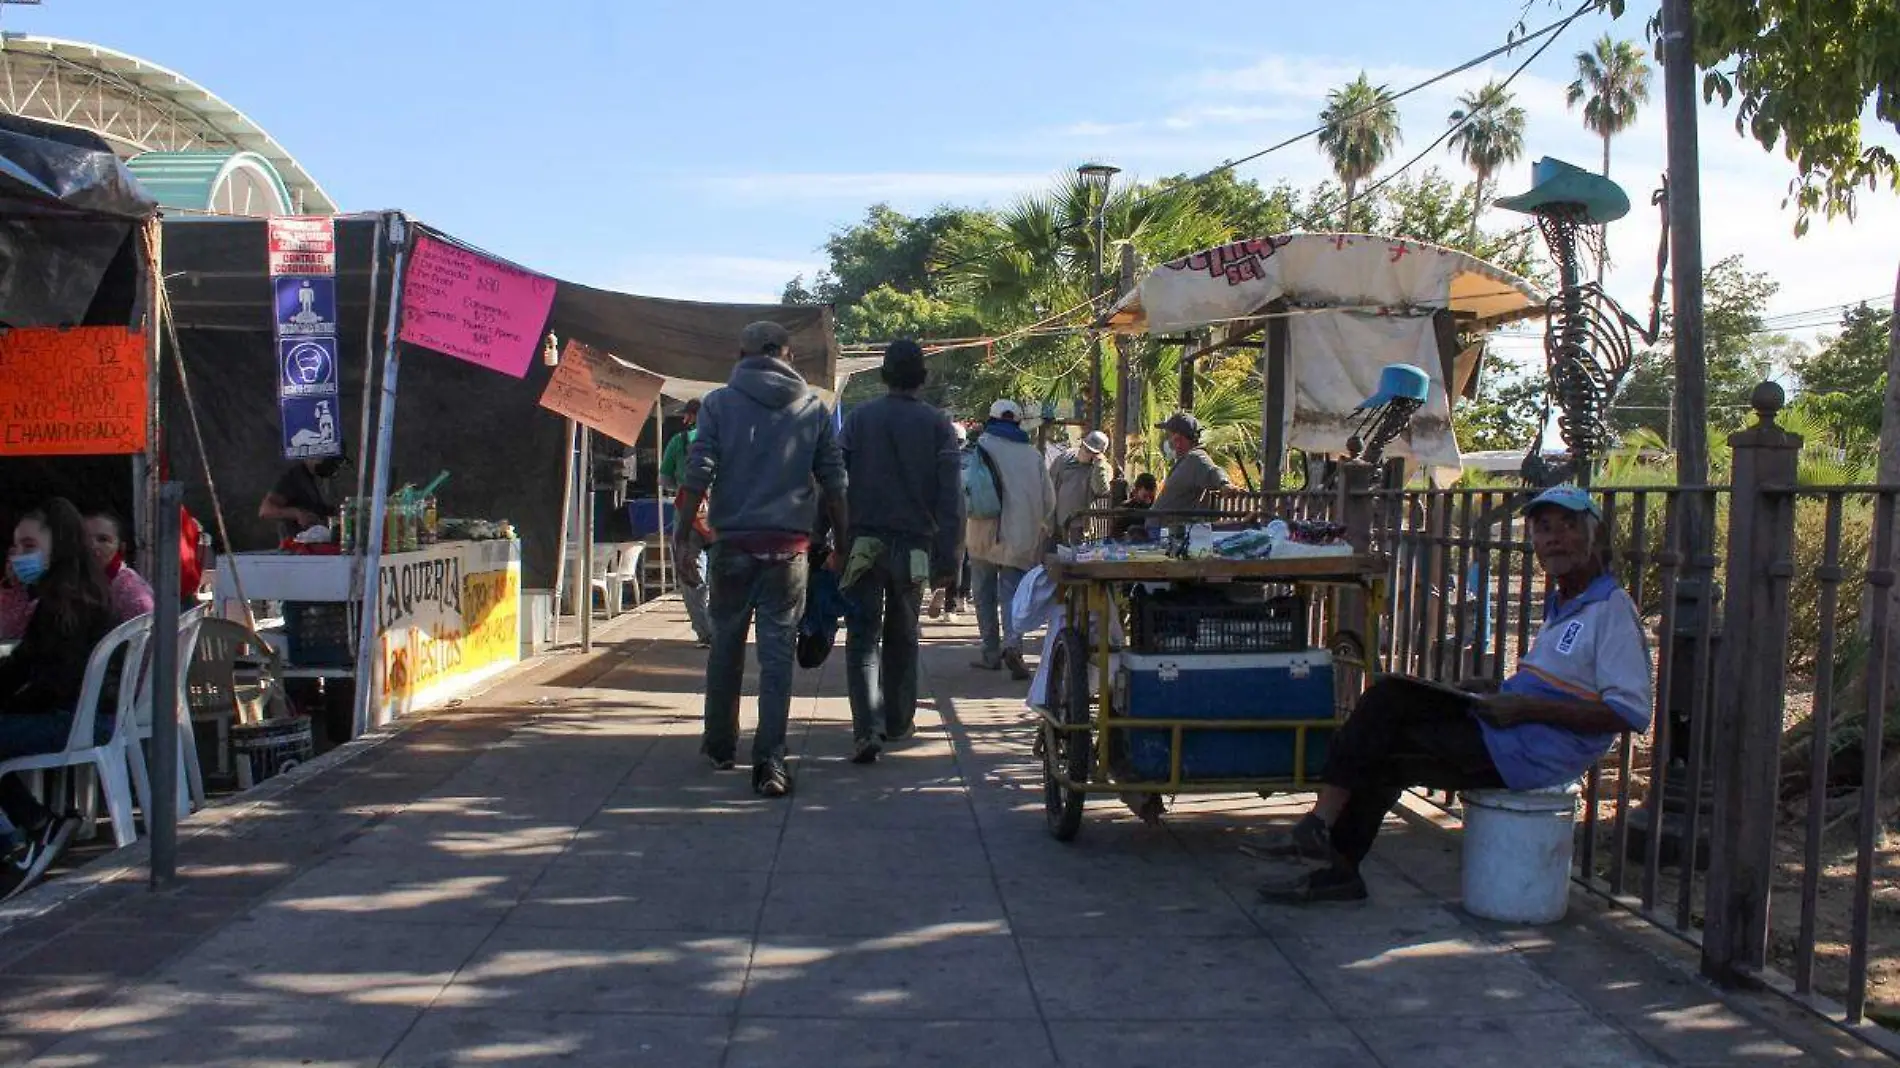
78,392
598,391
465,305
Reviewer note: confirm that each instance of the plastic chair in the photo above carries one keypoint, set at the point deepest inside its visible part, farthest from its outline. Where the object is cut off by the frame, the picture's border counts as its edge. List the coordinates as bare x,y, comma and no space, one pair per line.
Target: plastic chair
139,712
126,643
232,676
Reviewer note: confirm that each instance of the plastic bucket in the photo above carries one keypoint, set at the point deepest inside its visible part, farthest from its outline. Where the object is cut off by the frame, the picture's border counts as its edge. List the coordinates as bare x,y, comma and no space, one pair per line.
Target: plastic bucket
1518,847
261,750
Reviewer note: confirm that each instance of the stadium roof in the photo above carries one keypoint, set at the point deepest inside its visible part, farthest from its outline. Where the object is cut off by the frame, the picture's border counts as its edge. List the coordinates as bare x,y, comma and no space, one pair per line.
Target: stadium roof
138,106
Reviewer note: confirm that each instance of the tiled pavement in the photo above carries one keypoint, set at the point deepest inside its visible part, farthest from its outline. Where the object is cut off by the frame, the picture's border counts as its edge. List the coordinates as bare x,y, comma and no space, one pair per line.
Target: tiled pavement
549,876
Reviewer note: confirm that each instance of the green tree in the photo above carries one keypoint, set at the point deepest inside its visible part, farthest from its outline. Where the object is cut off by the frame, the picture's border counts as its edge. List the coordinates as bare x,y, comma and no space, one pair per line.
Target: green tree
1361,128
1740,353
1612,85
1843,382
1504,415
1492,136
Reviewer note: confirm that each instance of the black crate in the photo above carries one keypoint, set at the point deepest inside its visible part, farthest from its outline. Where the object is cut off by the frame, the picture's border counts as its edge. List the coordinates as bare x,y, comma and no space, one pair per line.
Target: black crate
317,634
1163,625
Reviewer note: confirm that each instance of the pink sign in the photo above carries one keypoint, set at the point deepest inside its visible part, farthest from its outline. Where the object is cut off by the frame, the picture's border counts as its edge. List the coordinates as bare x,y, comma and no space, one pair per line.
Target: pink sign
465,305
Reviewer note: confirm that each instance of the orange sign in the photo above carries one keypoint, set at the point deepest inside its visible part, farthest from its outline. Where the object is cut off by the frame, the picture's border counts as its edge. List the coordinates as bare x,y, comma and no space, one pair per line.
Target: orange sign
77,392
598,391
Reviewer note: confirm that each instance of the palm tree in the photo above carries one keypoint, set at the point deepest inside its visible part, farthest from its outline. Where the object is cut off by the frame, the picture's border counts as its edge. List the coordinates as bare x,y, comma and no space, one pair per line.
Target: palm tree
1361,128
1491,136
1612,84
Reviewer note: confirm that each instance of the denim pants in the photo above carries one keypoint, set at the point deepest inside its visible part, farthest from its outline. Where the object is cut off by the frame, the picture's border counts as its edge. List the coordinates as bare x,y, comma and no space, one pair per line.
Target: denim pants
697,600
995,587
741,585
881,643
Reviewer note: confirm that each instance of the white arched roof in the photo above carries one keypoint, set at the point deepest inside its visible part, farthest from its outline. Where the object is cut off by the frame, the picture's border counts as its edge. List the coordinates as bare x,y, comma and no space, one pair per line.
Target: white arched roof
138,106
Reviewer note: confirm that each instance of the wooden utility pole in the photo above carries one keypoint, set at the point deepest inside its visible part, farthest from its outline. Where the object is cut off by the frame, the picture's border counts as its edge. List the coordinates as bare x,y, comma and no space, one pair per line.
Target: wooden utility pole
1691,404
1124,394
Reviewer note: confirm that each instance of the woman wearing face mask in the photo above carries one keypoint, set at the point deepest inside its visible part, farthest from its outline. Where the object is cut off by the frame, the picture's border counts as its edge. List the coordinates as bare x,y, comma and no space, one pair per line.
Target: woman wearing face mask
298,501
131,594
40,680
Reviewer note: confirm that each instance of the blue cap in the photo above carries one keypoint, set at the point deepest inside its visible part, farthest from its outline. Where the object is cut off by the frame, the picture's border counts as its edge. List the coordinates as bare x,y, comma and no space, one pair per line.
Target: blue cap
1571,498
1399,381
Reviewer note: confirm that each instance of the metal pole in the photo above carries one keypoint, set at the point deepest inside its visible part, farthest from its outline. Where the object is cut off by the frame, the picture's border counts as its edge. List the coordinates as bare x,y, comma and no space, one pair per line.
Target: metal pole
567,524
163,817
1095,291
366,695
368,403
659,494
587,541
1691,404
147,482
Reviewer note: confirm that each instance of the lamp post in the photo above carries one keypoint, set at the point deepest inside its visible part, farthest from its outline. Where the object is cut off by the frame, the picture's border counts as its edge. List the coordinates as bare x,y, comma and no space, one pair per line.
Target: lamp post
1096,178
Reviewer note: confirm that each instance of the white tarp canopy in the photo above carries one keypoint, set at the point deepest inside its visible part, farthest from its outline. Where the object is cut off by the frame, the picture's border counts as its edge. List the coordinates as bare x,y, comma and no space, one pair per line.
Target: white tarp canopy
1353,303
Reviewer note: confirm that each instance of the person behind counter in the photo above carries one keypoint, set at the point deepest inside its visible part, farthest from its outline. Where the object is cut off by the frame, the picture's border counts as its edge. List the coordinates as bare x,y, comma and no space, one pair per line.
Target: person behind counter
40,681
1192,473
298,501
1141,497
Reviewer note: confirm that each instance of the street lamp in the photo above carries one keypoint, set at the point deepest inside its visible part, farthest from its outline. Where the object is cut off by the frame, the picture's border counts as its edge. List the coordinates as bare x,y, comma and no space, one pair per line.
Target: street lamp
1096,178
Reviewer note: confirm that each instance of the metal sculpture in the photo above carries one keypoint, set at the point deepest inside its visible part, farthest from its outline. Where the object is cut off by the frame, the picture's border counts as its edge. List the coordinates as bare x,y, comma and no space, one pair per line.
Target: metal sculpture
1388,412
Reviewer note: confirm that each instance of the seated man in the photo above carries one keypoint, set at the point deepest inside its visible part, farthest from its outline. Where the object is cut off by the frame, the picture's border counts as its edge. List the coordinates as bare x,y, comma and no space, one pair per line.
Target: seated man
1585,679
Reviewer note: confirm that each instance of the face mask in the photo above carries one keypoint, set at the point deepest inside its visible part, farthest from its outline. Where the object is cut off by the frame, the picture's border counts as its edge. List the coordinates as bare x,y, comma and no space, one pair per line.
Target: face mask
1167,450
29,568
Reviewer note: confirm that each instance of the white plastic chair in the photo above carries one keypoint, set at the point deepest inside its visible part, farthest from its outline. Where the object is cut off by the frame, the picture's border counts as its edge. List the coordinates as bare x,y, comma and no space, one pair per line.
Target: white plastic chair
109,760
139,712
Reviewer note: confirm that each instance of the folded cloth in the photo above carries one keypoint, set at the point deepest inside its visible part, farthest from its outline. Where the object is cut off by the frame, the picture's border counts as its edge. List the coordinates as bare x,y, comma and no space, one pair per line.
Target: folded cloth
1035,600
864,555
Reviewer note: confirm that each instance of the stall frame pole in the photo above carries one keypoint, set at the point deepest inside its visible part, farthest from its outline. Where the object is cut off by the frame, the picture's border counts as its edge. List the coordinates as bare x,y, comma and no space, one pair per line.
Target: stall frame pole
659,493
145,466
587,541
567,524
163,817
366,695
365,425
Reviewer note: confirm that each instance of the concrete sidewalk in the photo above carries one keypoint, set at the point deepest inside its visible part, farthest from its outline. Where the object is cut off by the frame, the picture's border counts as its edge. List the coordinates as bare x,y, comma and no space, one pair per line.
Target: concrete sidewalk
550,875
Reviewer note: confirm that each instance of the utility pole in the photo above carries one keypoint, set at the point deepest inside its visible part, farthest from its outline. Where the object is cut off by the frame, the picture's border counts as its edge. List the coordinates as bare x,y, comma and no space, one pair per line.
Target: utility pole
1124,391
1690,408
1096,178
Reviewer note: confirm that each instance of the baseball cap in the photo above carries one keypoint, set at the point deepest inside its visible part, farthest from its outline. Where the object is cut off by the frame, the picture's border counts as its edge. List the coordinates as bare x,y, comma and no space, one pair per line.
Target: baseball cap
1095,441
1183,424
759,336
1006,409
1568,497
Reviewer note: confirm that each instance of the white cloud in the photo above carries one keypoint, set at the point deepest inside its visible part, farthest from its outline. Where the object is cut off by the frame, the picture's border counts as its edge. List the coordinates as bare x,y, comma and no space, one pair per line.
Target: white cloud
712,278
861,186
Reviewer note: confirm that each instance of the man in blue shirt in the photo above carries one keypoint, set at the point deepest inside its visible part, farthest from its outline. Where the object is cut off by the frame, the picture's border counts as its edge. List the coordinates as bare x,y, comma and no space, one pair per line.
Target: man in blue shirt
1585,679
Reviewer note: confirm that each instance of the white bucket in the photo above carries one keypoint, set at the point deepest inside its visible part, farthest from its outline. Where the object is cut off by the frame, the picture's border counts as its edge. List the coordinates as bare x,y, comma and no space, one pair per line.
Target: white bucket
1518,847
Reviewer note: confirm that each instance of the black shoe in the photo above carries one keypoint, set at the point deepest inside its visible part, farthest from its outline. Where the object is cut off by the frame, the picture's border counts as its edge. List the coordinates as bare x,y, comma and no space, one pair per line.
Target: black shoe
1307,840
771,779
702,643
986,664
26,863
866,751
1317,887
719,761
1018,670
17,853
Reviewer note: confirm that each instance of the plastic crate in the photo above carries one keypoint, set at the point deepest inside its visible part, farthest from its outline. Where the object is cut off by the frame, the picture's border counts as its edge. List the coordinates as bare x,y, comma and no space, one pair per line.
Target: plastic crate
1204,626
317,634
1288,686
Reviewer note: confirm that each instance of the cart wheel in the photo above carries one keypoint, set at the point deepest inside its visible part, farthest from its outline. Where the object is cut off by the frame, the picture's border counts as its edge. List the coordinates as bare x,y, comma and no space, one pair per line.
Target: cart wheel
1071,751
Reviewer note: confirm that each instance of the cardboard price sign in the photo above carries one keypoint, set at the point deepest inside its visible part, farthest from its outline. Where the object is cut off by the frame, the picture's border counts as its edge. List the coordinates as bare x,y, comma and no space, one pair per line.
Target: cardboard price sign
78,392
465,305
598,391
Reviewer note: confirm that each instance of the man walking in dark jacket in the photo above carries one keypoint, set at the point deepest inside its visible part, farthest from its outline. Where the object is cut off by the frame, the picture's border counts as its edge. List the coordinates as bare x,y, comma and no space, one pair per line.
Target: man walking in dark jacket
766,452
904,465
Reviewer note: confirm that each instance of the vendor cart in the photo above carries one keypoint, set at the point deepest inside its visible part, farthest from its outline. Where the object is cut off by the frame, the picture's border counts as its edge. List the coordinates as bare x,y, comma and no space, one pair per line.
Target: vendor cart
1177,676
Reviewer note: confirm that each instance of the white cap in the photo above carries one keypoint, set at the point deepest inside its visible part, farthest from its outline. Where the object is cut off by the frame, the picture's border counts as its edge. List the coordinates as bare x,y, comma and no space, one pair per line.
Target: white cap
1006,409
1095,441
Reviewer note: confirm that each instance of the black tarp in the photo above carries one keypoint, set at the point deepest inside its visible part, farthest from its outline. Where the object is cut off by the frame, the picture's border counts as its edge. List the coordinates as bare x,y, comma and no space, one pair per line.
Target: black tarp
69,215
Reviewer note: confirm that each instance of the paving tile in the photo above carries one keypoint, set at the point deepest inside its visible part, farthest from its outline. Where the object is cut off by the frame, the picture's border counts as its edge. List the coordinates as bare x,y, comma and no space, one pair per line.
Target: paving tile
780,1043
614,842
1168,979
462,836
594,897
455,1038
1263,1043
879,906
887,851
472,890
1548,1040
969,972
170,1032
929,807
103,954
1431,975
558,969
283,956
1052,906
1709,1033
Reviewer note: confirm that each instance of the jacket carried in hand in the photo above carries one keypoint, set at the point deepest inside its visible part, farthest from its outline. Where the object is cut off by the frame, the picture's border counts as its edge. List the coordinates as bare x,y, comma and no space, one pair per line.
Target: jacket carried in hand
1017,537
766,441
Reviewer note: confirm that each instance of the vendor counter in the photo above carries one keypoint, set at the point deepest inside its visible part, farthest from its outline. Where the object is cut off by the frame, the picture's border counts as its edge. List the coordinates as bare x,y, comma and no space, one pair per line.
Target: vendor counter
447,616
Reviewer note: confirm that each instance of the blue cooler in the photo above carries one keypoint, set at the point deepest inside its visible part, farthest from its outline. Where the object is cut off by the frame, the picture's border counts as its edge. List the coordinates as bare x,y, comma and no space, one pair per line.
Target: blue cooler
1248,686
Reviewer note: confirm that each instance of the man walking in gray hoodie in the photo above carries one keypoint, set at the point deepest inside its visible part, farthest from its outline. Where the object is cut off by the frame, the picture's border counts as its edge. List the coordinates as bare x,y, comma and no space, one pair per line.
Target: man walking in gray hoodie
766,442
906,510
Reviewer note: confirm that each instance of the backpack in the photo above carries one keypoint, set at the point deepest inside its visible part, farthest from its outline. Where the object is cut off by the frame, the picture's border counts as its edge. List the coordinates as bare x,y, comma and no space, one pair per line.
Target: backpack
982,485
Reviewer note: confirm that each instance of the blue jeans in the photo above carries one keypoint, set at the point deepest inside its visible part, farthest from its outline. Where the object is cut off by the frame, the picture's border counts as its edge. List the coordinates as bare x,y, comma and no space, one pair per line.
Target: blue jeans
995,587
741,585
698,609
882,682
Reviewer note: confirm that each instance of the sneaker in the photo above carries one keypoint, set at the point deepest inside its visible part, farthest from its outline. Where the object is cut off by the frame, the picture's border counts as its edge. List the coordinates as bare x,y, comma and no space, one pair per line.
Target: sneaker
719,761
936,604
17,852
29,858
771,779
1316,887
866,751
987,664
1017,669
1307,840
702,643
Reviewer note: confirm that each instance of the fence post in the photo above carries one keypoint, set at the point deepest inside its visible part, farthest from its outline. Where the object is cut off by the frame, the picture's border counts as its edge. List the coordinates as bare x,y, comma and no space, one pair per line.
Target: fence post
1746,706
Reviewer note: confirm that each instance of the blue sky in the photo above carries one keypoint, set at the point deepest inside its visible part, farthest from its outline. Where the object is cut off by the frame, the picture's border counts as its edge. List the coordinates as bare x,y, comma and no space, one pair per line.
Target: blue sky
706,150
